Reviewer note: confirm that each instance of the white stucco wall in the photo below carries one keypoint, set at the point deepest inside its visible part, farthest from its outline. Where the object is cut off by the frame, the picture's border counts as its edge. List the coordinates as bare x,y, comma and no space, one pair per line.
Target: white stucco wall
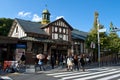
18,33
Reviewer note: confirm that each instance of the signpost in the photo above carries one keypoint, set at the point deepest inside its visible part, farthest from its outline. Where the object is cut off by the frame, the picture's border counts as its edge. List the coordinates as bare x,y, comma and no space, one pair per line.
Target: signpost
98,31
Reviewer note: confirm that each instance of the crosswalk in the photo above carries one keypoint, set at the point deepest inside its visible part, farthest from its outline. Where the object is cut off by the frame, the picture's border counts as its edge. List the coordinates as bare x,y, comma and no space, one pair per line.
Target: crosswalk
103,73
5,78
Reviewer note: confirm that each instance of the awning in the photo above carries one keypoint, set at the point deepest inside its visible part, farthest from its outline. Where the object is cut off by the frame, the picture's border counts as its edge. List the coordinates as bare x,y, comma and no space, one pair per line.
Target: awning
6,40
37,39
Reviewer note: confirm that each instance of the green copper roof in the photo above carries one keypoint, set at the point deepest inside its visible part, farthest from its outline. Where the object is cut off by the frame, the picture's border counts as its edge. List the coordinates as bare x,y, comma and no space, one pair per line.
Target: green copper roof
45,11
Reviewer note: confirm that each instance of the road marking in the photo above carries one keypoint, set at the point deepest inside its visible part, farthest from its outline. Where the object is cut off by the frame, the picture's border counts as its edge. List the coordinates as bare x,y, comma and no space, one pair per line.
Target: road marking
93,74
110,77
6,78
100,75
70,74
76,76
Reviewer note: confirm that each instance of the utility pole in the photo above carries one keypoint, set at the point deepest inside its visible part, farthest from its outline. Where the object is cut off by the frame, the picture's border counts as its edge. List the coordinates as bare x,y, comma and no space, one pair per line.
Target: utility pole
98,25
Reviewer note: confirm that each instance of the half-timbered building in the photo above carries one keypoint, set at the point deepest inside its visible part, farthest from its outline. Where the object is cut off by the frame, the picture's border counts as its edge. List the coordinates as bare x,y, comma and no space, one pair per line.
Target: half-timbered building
57,37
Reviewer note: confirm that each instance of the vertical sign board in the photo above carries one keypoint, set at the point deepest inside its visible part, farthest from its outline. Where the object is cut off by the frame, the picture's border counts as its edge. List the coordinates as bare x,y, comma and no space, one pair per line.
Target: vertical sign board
20,48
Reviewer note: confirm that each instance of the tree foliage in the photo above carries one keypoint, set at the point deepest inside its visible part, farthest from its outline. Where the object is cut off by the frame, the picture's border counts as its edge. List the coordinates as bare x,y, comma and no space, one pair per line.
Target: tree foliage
5,25
108,42
114,42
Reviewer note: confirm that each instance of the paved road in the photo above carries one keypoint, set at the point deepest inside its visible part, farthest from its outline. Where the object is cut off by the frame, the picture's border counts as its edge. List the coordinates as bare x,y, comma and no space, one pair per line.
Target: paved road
93,73
102,73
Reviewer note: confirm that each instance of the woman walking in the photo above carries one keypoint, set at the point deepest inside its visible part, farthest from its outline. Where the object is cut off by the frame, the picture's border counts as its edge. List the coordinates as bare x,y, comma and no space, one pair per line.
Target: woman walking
76,66
69,63
82,61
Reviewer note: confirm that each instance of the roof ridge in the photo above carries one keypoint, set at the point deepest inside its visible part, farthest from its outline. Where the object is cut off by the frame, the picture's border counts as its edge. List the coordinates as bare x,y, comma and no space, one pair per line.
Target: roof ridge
25,20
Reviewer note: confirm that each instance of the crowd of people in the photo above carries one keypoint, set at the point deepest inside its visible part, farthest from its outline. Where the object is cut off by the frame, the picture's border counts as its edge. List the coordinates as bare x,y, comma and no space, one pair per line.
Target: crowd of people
70,62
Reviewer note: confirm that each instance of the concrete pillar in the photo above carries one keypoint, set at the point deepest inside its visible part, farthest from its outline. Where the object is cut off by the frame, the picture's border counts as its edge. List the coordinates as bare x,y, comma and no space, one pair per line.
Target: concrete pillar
29,46
72,48
81,47
76,47
49,50
45,48
29,55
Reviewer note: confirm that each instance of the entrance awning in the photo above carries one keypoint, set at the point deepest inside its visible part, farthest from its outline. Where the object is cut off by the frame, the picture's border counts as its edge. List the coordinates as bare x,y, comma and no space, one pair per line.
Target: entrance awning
37,39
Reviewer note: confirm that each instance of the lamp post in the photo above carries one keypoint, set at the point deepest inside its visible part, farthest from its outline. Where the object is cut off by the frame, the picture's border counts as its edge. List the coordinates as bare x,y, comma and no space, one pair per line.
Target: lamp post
98,43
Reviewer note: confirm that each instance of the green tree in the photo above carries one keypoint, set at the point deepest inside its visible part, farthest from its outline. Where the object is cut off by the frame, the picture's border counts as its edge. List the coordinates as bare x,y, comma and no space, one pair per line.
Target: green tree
93,37
114,42
5,25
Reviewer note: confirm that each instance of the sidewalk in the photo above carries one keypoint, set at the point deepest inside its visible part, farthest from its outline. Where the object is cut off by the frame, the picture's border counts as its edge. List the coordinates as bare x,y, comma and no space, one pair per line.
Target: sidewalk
94,65
59,68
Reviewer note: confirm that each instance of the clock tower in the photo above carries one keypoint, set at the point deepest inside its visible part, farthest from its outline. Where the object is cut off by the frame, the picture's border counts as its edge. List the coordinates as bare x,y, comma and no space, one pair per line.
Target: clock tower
45,17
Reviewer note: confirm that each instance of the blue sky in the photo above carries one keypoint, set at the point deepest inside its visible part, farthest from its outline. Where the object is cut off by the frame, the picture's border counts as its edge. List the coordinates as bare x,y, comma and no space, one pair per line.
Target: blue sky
78,13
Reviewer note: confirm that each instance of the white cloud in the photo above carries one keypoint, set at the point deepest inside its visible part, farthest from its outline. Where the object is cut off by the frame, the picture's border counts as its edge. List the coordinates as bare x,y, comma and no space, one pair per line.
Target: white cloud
58,17
24,14
36,18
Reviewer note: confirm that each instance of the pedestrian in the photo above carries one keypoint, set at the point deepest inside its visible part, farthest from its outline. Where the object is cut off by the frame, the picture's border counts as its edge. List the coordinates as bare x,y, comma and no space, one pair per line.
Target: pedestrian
64,61
41,64
40,58
53,61
23,58
76,67
48,61
82,61
69,63
61,60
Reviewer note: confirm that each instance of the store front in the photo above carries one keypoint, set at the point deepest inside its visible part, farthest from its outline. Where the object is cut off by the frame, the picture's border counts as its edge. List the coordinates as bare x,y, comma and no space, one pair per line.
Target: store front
7,48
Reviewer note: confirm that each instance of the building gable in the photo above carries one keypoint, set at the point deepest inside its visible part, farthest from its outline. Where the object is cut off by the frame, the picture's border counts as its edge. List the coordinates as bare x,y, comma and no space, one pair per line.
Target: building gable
16,30
59,29
59,22
26,27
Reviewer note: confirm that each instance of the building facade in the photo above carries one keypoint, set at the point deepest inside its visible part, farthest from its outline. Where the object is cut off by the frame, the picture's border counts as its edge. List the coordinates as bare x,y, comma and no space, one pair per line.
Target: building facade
46,37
